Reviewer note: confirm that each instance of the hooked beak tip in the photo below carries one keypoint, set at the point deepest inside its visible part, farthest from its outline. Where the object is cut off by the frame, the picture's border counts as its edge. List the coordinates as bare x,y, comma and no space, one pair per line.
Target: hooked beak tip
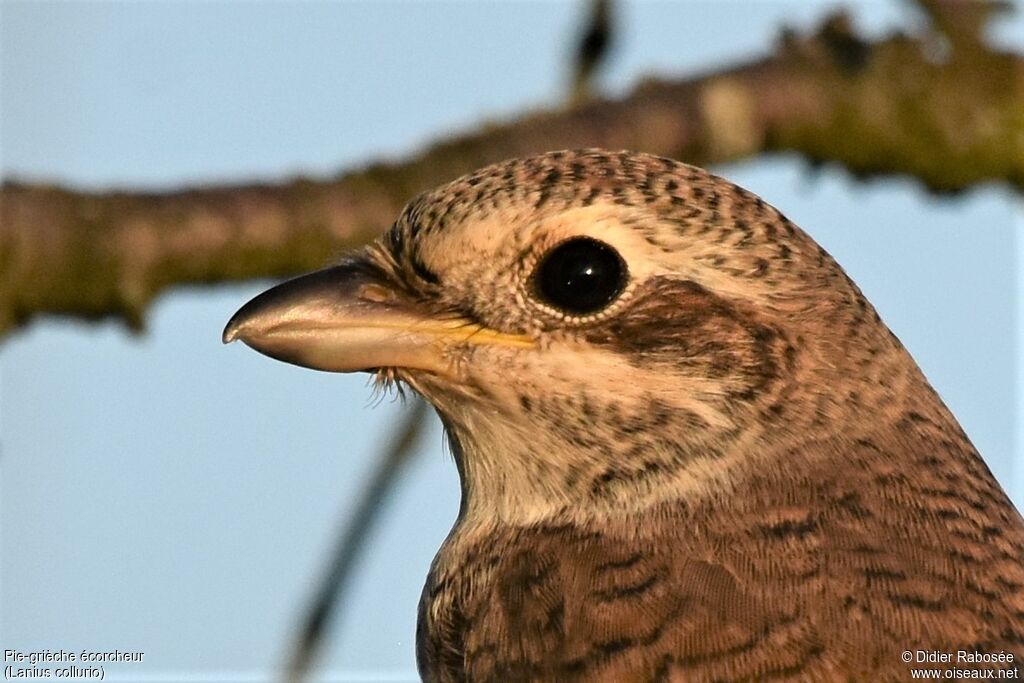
231,332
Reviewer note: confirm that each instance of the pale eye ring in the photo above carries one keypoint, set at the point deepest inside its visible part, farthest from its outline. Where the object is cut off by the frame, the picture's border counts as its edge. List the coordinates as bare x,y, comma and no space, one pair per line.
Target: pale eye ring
580,276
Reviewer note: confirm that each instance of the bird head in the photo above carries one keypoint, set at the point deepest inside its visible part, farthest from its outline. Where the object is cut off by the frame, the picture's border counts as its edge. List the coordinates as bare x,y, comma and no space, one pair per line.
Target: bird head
598,331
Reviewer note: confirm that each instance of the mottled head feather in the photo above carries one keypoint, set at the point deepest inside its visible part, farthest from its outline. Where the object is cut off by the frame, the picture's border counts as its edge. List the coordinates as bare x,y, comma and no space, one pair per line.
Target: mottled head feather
731,331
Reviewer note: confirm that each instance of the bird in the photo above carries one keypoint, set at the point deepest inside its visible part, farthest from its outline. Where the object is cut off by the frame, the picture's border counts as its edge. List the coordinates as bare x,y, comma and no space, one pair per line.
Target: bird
689,448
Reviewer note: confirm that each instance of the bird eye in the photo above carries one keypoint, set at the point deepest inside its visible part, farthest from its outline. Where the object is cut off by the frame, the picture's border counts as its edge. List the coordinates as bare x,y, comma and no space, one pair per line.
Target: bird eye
580,276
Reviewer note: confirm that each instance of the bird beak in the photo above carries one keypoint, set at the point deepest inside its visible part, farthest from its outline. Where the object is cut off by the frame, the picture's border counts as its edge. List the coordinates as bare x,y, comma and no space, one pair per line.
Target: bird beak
347,319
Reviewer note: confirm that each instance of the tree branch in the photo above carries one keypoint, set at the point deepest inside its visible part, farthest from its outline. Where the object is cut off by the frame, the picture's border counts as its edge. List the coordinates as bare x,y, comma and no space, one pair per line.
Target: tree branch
893,106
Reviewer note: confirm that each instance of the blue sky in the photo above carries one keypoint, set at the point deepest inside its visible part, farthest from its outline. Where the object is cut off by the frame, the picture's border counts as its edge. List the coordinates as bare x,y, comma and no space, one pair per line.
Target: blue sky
167,494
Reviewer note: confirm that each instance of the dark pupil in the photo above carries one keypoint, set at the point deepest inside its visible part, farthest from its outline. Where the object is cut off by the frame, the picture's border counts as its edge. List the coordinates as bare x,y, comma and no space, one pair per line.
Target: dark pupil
581,276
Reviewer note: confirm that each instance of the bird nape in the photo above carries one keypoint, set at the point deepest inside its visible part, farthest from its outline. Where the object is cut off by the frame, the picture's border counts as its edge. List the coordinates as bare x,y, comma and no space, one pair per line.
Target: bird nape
689,448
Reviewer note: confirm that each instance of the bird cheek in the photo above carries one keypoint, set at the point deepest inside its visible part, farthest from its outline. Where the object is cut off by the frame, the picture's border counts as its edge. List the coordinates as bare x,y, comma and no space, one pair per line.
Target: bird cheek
488,371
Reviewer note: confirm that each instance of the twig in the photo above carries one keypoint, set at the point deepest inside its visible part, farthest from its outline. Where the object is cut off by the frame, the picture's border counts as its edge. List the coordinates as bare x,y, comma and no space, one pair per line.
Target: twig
352,542
591,51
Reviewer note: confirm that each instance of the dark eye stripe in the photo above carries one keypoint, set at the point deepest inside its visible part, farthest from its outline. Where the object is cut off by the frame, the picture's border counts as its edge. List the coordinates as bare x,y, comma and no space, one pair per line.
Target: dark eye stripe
422,271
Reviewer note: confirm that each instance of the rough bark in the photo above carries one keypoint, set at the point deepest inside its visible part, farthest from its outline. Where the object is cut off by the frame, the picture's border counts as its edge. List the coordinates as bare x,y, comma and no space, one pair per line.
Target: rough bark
946,110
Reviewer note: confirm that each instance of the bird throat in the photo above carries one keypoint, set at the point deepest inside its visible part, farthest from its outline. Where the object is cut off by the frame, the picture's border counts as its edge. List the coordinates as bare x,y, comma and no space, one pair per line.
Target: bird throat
514,478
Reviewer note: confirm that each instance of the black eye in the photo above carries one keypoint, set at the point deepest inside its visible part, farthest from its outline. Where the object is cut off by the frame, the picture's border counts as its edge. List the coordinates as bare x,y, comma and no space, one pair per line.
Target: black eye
580,276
